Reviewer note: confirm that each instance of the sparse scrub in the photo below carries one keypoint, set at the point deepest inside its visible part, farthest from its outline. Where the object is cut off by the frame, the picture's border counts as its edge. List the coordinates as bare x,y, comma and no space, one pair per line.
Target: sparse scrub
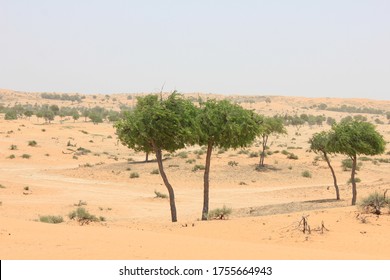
32,143
83,151
80,203
183,154
245,152
306,174
357,180
285,152
292,156
253,154
232,163
26,156
160,195
364,158
199,152
347,164
11,156
190,161
198,167
134,175
13,147
220,213
155,171
51,219
82,216
2,187
374,202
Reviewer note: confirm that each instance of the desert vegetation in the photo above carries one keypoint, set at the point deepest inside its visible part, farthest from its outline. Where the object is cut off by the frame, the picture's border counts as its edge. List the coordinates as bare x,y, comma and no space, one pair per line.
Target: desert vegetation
73,160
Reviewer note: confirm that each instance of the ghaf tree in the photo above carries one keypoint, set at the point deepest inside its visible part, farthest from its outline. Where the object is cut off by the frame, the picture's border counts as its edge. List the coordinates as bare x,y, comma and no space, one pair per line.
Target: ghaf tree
223,125
156,125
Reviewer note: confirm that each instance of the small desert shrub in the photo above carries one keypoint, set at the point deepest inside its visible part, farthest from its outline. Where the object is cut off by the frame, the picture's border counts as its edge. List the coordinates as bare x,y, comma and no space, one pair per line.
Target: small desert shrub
160,195
242,183
134,175
13,147
32,143
80,203
253,154
199,152
51,219
357,180
155,171
292,156
245,152
198,167
374,202
43,130
128,168
220,213
130,159
12,156
269,153
83,131
83,151
306,174
190,161
2,187
285,152
290,167
383,160
365,159
232,163
347,164
27,156
221,151
87,165
82,216
102,219
183,155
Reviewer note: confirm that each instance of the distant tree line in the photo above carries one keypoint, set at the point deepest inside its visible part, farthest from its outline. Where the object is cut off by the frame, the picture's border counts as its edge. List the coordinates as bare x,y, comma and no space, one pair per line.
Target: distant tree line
49,112
63,96
351,109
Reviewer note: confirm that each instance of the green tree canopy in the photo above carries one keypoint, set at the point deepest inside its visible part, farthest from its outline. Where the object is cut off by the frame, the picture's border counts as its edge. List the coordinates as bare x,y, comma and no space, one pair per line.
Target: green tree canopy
353,138
319,143
155,125
224,125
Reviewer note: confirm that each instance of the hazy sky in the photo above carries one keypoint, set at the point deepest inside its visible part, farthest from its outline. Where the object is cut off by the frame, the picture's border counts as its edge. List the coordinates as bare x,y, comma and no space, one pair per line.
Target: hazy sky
301,48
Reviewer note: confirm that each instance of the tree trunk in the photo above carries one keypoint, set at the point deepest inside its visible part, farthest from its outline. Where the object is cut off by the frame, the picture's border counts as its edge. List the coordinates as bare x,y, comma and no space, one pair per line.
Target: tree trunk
334,177
206,183
147,157
262,154
167,184
354,191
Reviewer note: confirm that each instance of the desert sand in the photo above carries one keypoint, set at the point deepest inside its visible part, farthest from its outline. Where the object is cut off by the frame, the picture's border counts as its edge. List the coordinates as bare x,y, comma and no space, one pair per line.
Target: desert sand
267,205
